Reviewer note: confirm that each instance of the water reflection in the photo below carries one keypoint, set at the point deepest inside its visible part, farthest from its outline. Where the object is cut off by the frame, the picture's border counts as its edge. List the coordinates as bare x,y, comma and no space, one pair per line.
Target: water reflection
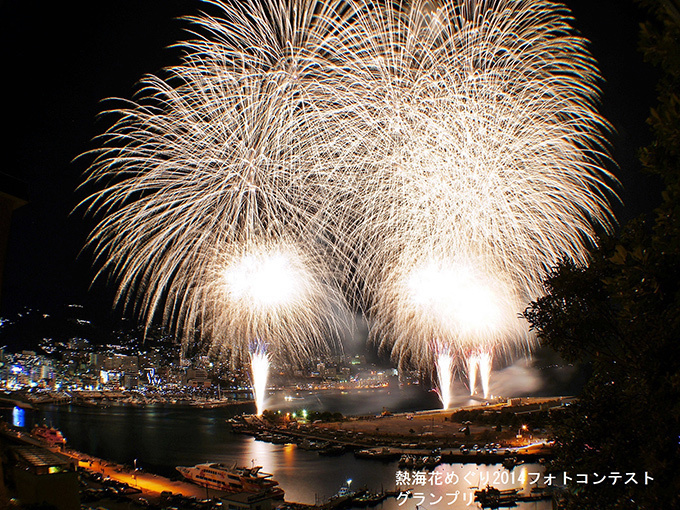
362,401
289,454
18,417
260,453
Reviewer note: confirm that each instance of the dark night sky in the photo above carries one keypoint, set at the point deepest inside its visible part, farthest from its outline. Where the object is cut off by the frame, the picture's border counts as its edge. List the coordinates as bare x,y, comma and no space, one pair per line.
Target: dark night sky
62,58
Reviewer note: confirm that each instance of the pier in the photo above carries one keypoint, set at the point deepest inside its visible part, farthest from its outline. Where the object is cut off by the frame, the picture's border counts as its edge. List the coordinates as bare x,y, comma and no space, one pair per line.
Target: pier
383,448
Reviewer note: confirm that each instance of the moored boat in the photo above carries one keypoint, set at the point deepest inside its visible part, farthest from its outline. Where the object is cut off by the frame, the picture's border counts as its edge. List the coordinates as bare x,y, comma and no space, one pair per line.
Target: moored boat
232,478
49,435
333,449
494,498
377,453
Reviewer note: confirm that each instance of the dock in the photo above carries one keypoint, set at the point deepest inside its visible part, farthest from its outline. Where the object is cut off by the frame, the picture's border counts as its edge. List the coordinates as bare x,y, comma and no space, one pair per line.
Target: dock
371,449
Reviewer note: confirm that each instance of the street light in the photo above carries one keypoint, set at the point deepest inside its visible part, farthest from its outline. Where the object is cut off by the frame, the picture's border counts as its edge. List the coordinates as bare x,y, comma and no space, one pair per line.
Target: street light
519,432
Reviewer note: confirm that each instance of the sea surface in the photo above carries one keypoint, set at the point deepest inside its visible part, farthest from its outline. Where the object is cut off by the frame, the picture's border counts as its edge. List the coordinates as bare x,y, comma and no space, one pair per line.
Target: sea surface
159,438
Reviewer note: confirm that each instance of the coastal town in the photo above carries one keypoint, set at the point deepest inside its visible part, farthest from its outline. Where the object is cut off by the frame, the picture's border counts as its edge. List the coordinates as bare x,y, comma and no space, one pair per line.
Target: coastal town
88,364
152,373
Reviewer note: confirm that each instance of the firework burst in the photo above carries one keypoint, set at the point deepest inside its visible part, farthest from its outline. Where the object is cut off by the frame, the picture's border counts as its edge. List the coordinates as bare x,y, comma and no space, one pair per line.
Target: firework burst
480,157
440,156
211,204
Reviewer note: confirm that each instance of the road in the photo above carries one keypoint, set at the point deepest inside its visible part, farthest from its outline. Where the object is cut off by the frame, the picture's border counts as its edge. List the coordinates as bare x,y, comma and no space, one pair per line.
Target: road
151,485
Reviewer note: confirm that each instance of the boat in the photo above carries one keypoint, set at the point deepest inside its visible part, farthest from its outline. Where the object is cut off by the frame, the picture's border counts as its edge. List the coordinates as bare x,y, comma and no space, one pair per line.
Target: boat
407,461
49,435
377,453
281,439
306,444
510,462
369,499
343,497
232,478
332,450
494,498
432,461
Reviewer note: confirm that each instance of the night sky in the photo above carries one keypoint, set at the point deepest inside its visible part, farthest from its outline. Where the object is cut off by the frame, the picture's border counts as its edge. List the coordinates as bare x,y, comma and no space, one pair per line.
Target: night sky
61,59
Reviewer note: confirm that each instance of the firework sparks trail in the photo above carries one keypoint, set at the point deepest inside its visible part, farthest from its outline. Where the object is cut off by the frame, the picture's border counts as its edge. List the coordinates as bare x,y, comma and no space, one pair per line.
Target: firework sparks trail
477,144
479,363
450,154
472,365
209,189
259,366
485,372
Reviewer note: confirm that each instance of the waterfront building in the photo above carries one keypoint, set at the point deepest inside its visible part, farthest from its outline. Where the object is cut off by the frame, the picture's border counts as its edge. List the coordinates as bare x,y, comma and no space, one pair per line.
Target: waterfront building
36,476
130,381
196,378
249,501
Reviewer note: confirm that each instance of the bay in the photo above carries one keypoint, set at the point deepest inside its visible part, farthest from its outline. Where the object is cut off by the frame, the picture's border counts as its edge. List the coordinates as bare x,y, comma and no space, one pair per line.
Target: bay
161,437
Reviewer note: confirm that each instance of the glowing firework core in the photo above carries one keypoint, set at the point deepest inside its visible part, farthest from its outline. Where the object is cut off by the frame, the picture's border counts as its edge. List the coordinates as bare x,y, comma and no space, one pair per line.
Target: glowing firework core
264,280
259,366
454,293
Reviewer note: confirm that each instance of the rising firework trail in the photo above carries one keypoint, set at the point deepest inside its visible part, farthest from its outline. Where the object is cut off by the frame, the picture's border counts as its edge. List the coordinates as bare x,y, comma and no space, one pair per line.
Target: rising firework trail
472,366
479,363
259,366
485,372
445,364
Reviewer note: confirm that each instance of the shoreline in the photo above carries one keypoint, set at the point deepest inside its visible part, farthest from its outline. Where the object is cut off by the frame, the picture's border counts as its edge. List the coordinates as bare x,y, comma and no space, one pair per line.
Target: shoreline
421,434
109,398
96,474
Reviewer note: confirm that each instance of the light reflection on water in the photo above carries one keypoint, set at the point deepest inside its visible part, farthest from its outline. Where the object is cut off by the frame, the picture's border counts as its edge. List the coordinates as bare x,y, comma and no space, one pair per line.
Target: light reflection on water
161,438
309,478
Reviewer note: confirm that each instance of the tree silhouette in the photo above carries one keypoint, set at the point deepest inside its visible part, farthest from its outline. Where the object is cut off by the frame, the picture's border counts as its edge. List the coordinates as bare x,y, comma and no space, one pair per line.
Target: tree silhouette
621,314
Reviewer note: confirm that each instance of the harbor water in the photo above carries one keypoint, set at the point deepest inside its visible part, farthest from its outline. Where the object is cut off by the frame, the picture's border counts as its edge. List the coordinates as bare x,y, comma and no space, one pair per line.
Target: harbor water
158,438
